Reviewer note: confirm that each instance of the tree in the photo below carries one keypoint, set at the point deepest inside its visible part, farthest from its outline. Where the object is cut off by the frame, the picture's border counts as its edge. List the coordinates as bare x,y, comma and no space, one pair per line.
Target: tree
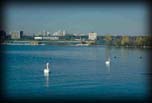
148,40
125,41
139,41
108,39
117,42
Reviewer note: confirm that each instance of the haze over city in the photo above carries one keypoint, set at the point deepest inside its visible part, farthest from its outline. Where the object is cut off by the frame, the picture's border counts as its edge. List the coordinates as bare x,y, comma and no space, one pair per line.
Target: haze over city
103,19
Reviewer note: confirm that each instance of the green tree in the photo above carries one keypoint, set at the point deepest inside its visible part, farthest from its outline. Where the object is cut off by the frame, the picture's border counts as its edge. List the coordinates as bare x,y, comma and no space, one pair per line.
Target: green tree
108,39
139,41
148,40
117,42
125,41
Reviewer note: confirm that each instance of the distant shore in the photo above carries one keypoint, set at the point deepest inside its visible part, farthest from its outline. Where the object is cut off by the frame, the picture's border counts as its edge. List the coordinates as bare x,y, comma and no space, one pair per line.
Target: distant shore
66,43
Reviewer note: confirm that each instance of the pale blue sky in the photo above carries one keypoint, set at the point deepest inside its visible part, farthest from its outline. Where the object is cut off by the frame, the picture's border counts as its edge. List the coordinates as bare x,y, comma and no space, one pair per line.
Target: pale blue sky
103,19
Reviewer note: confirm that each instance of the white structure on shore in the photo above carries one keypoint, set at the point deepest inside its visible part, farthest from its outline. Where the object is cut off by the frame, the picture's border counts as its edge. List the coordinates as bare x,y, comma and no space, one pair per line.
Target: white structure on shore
37,38
92,36
46,38
50,38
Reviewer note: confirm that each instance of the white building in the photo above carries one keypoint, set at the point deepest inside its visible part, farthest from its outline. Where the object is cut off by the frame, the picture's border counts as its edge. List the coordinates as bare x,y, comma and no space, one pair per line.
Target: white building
15,35
92,36
63,33
59,33
47,33
46,38
55,34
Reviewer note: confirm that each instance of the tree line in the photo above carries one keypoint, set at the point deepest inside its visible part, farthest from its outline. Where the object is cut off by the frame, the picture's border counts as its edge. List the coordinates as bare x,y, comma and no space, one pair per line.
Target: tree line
128,40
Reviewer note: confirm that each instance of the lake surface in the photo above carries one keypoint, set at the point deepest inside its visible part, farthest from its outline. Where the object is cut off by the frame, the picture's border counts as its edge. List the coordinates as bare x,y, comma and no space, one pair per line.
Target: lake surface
76,72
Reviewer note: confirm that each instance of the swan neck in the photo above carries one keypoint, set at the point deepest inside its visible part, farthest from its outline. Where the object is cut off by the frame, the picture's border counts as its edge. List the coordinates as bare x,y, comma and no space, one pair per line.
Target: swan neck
47,67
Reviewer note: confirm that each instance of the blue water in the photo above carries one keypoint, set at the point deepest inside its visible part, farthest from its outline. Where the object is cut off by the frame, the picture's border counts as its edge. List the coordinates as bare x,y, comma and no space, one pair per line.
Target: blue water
76,72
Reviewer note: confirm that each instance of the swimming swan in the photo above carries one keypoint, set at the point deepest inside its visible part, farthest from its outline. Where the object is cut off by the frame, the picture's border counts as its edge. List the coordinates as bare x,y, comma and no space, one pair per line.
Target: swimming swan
46,70
107,62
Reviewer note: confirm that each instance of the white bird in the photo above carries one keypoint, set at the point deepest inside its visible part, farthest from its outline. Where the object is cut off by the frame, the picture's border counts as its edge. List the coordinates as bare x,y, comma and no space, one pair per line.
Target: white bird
46,70
107,62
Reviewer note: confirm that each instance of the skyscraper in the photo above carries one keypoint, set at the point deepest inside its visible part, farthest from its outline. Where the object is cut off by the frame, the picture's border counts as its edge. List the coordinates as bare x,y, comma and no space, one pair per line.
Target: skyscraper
21,34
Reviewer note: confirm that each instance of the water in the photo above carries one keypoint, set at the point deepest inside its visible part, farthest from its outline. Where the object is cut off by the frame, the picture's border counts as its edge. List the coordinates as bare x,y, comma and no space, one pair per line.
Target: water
76,72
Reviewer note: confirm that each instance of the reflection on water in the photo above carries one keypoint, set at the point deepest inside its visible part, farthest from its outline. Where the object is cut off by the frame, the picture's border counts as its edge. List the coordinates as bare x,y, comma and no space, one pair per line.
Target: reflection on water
46,75
124,53
108,67
107,56
107,52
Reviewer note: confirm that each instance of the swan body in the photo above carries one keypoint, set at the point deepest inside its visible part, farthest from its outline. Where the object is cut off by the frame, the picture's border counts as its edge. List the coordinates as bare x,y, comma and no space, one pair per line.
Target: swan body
46,70
107,62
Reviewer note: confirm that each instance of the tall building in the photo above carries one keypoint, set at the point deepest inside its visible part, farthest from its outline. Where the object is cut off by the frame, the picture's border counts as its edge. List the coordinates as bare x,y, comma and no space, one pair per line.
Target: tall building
21,34
63,33
55,34
92,36
59,33
2,36
47,33
15,35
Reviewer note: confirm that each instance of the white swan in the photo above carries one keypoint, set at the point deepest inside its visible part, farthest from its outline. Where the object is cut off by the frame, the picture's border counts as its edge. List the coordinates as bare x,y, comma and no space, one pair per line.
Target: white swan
46,70
107,62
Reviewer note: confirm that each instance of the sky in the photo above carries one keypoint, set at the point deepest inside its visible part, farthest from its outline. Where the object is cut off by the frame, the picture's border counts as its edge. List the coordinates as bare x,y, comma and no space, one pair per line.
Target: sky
76,18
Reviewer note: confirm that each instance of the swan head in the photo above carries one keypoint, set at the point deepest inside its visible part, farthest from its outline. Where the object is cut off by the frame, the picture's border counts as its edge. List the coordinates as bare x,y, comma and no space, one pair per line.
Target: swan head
47,64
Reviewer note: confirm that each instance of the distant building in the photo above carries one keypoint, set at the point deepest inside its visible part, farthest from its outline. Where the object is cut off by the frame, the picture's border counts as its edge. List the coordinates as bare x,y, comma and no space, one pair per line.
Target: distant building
59,33
38,34
2,36
37,38
46,38
63,33
55,34
21,34
81,34
50,38
92,36
75,34
15,35
47,33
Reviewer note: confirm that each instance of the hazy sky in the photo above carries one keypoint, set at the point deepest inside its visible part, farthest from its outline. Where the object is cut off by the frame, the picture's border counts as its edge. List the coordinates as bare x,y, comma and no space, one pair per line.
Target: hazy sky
103,19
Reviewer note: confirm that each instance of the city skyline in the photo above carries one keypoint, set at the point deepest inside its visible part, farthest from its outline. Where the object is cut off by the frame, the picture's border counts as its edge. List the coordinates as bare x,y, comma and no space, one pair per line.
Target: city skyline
103,19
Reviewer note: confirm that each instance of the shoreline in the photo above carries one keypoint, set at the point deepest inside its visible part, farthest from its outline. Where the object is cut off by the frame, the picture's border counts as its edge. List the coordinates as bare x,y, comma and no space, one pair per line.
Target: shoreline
68,43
